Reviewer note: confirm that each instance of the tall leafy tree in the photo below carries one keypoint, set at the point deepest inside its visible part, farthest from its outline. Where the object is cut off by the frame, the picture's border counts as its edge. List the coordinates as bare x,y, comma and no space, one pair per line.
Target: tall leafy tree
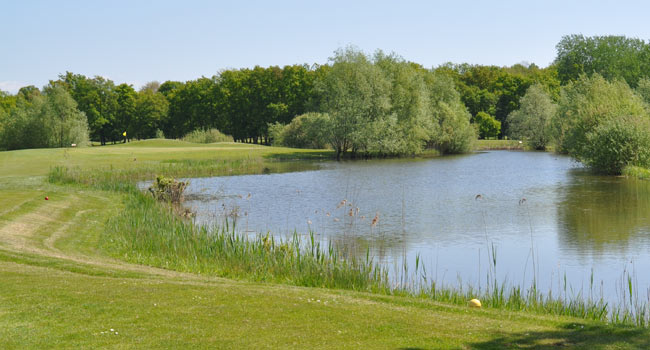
356,95
612,57
451,132
409,123
97,99
125,109
50,119
171,89
531,121
28,93
151,109
587,103
67,124
7,101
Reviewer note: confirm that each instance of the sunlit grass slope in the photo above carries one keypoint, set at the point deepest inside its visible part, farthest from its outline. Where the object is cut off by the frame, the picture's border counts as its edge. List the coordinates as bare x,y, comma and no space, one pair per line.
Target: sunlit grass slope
135,155
60,290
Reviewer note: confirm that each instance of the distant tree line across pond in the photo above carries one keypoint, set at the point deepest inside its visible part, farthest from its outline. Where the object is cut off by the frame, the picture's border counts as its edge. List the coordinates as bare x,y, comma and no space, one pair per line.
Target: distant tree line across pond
357,103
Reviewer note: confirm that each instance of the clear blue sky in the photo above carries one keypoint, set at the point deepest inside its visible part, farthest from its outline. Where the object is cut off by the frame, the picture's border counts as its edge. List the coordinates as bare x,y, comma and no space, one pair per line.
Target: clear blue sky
139,41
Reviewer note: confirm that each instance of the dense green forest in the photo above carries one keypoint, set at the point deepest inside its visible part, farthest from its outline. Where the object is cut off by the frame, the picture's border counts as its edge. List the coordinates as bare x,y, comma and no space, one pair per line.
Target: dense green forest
596,89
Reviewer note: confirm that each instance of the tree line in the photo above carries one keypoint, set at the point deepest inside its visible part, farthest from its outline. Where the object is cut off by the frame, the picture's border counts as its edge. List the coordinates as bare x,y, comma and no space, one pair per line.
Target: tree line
358,103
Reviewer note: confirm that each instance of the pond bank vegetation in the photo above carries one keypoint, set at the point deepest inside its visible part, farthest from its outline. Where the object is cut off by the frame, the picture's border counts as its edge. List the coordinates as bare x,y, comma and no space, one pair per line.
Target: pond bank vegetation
149,232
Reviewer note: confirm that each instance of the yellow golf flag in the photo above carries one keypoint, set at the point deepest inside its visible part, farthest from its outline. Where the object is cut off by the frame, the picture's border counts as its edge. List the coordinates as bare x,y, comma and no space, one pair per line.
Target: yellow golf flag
124,134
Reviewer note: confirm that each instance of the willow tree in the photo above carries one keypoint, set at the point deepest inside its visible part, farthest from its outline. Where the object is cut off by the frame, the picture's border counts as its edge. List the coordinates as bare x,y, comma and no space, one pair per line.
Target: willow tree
531,122
67,124
450,131
406,129
45,120
356,96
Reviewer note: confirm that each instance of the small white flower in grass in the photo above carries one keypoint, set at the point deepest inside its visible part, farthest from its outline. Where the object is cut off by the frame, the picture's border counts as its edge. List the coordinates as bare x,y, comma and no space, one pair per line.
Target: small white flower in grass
112,330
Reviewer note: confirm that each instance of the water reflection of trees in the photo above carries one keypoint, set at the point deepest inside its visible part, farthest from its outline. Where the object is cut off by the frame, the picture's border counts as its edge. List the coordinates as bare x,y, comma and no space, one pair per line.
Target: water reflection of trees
603,214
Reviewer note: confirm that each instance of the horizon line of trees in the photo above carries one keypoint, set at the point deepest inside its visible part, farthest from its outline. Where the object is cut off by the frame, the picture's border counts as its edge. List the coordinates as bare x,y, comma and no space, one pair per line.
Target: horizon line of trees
382,103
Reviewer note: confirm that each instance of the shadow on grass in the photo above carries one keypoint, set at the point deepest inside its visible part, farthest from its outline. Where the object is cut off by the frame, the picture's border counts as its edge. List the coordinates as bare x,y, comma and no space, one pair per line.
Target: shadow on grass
572,335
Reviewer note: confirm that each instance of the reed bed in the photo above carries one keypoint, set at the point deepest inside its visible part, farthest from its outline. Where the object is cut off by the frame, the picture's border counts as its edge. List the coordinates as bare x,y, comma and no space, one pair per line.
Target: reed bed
631,309
152,234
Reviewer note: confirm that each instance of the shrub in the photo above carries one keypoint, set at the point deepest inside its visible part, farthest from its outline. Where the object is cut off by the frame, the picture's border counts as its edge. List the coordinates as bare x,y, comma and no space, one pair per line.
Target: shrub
617,143
587,103
168,189
207,136
309,130
488,126
602,124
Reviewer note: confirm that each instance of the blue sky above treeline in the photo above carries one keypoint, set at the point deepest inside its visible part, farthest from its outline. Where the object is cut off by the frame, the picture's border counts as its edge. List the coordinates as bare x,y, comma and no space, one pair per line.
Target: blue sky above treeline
140,41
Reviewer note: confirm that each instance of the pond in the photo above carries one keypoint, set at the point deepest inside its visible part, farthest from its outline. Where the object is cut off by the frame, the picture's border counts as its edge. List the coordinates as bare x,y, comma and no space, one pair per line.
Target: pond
545,215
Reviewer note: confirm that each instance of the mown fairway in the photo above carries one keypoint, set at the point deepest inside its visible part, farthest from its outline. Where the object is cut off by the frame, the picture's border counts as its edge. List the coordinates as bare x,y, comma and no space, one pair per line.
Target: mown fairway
58,289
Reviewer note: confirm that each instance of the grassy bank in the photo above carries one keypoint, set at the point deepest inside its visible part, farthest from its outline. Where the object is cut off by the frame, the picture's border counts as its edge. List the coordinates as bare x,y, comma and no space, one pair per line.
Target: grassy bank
74,267
637,172
148,233
487,145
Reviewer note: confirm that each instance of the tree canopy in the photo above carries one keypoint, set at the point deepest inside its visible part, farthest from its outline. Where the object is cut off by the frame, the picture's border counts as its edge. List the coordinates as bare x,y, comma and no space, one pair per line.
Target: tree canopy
364,105
612,57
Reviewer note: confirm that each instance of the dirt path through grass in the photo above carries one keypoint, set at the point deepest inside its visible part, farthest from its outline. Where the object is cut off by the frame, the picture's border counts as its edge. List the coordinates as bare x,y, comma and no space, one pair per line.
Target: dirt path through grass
37,231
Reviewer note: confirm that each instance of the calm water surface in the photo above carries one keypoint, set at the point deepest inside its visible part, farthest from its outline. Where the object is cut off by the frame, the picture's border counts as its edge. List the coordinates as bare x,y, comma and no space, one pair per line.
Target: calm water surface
573,221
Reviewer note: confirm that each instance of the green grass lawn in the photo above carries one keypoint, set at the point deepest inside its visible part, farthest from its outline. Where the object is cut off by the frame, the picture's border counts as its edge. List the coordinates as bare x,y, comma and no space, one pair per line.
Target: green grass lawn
59,289
484,145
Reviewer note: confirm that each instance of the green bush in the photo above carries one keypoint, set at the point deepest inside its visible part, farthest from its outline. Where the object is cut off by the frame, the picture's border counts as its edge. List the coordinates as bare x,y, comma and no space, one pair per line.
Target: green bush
602,124
587,103
488,126
207,136
167,189
617,143
309,130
